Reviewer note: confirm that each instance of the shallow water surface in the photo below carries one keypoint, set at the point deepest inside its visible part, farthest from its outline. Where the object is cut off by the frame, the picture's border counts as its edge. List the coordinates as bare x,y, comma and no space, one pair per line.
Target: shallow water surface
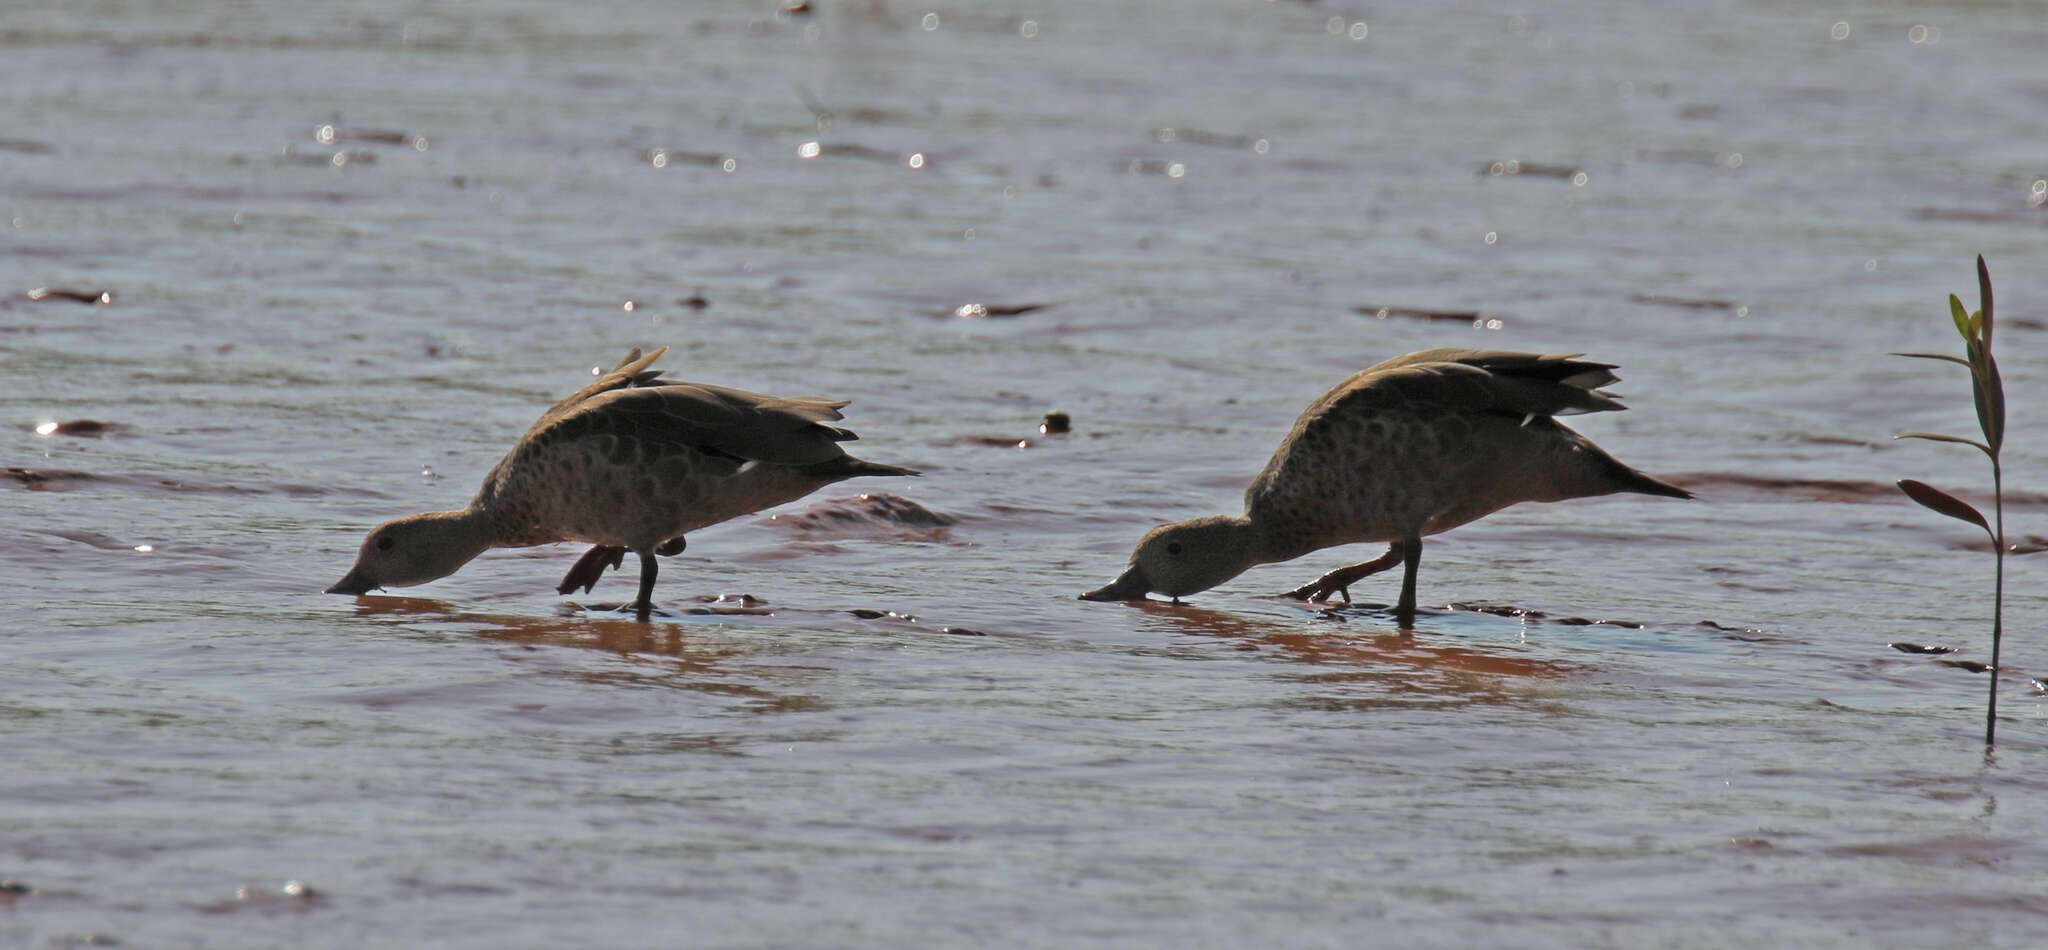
349,256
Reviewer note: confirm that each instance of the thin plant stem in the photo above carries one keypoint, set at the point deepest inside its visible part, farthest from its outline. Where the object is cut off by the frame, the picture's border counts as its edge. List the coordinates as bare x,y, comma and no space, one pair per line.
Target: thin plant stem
1997,601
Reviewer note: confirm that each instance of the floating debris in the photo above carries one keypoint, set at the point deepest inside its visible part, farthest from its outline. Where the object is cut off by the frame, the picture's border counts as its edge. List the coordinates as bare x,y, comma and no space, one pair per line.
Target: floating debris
817,149
976,311
1971,665
1690,303
1170,135
1516,168
1904,647
962,632
329,134
1055,423
1478,320
663,157
98,297
84,427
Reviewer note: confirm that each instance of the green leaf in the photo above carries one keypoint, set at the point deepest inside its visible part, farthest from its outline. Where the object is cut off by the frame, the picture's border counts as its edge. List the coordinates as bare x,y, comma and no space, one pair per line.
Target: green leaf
1961,316
1959,361
1935,437
1984,297
1977,326
1937,500
1990,393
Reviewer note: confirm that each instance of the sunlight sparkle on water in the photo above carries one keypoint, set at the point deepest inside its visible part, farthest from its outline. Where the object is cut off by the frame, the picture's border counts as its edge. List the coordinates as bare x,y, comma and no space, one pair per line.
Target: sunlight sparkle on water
1491,237
1840,31
930,22
809,150
144,548
916,160
1028,29
46,428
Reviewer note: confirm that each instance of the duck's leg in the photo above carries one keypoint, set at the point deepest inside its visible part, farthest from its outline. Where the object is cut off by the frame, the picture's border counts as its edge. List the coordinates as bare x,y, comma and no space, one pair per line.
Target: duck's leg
591,566
1404,612
1340,580
645,603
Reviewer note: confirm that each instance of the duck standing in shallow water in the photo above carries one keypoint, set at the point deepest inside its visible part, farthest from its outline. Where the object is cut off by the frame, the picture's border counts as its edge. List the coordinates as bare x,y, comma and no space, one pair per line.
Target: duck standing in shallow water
1414,446
631,462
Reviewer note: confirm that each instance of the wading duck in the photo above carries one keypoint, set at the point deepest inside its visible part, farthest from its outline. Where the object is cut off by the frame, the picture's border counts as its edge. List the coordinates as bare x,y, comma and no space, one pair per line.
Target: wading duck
631,462
1411,447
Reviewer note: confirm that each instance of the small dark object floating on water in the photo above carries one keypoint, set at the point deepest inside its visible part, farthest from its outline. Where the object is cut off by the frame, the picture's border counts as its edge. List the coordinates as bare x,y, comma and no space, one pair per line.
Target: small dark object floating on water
1903,647
101,297
975,311
1473,317
1055,423
1688,303
86,427
1516,168
1971,665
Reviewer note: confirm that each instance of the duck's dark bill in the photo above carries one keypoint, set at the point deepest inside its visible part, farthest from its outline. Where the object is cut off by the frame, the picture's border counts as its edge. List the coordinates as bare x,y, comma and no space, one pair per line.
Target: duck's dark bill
1131,586
353,583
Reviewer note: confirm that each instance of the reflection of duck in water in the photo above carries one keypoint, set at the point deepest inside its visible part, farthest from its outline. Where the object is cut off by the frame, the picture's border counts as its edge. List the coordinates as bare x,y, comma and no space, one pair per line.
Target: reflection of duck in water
1392,657
697,666
630,462
1414,446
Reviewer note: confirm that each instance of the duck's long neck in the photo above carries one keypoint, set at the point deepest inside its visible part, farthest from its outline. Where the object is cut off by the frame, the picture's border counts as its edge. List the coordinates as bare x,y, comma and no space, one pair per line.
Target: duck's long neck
1270,540
462,535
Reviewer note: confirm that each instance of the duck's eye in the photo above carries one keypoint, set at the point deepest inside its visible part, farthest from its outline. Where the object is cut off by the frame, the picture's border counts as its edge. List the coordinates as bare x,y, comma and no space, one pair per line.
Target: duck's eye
1173,547
384,543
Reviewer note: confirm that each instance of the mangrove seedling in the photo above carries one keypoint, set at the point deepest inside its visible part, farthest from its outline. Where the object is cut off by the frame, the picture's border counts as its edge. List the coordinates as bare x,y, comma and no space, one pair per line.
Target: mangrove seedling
1989,394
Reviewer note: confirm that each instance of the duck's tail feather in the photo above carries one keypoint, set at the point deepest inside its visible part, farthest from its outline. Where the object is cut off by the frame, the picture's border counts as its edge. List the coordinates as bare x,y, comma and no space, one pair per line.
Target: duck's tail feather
846,466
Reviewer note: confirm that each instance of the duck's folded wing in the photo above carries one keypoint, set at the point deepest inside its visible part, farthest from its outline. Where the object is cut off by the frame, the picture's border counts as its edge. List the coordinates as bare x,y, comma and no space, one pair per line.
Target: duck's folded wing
1517,384
631,372
712,419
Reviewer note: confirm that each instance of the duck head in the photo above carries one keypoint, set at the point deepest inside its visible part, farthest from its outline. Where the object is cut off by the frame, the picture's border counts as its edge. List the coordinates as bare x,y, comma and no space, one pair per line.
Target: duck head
1183,558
